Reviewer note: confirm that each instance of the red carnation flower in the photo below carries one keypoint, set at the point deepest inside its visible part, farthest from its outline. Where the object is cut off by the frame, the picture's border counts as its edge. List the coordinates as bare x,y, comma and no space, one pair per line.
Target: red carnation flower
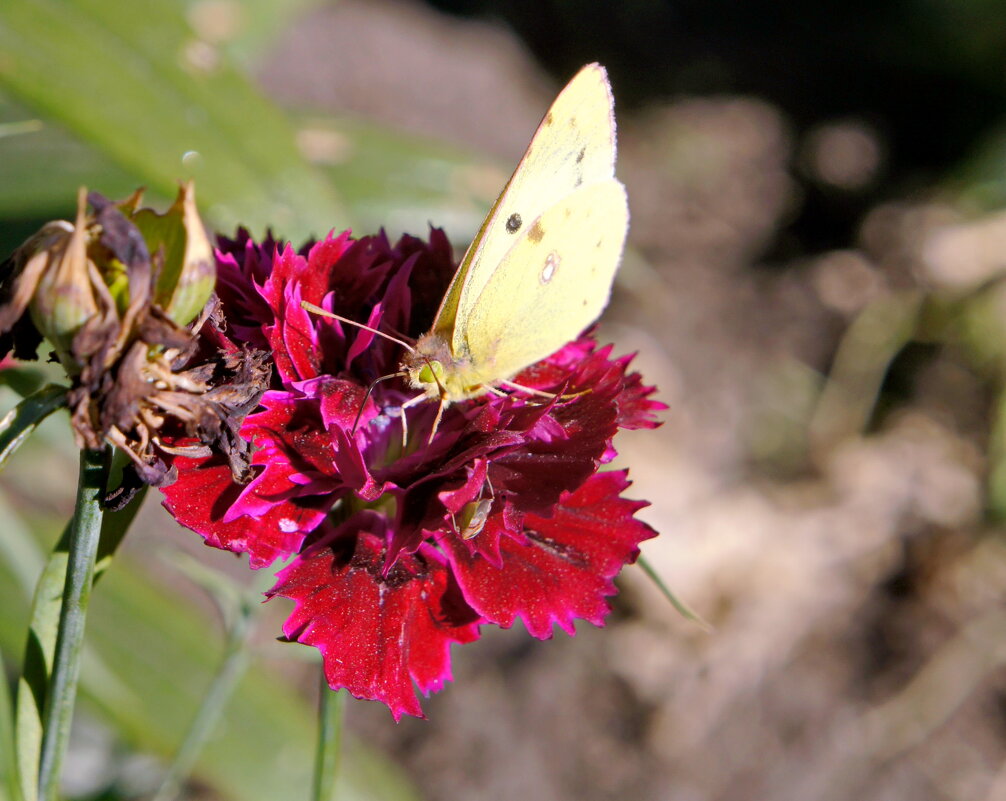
497,514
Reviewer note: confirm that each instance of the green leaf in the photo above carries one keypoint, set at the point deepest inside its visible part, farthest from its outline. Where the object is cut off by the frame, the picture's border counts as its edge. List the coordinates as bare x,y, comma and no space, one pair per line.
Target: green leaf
866,351
331,727
38,651
20,127
41,170
18,549
10,787
25,380
152,652
402,182
133,80
240,611
41,641
682,608
19,423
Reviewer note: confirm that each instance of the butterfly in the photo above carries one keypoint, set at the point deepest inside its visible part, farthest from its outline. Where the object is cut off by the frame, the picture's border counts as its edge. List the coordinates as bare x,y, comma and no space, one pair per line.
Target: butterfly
541,267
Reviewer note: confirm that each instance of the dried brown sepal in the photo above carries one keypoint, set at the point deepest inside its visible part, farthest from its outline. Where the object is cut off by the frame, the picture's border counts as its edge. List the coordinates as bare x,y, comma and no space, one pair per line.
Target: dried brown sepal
141,381
178,400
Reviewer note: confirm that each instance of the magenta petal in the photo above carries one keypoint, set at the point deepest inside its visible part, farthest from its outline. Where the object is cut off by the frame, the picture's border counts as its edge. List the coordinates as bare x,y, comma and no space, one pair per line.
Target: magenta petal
377,633
295,340
304,438
455,499
384,595
204,492
320,259
291,337
364,338
564,568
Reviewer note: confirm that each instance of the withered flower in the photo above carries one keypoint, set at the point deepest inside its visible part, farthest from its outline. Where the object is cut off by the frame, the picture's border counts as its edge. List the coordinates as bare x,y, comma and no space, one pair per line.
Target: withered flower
117,295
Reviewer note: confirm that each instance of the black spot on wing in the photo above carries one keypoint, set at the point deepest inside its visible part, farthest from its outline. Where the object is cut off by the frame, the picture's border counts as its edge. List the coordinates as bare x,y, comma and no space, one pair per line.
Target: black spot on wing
513,223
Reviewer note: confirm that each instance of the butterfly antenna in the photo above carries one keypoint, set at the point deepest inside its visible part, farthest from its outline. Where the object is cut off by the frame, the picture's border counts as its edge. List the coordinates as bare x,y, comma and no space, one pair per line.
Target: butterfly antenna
311,307
370,389
405,425
325,313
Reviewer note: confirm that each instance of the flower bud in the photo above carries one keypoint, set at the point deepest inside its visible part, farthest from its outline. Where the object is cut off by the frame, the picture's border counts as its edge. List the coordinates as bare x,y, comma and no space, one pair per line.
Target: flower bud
113,294
187,275
57,272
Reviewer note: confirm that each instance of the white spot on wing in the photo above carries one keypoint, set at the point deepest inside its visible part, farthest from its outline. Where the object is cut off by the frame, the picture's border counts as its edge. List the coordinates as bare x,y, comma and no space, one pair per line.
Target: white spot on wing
552,262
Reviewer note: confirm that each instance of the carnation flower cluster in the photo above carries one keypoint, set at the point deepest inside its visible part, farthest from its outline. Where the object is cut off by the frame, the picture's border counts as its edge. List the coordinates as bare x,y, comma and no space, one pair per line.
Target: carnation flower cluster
395,552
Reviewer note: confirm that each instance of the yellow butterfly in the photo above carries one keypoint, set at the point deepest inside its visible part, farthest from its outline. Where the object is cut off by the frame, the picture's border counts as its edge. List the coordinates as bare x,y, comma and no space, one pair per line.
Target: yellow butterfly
541,267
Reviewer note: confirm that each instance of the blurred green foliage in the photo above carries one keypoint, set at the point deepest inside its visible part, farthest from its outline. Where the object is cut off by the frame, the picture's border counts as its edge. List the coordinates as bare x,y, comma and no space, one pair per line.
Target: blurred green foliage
115,95
133,80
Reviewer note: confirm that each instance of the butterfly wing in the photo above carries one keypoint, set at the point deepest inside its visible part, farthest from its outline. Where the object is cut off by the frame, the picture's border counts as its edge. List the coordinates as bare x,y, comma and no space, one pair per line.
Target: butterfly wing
573,147
550,285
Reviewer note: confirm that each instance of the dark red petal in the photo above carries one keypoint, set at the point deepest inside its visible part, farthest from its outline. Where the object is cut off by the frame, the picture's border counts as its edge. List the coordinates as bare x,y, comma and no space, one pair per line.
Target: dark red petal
205,491
305,437
534,476
455,498
378,633
245,308
635,408
563,569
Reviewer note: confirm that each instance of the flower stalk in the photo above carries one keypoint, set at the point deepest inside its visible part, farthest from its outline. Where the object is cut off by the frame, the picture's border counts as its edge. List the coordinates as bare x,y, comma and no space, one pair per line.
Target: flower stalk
328,756
231,669
85,534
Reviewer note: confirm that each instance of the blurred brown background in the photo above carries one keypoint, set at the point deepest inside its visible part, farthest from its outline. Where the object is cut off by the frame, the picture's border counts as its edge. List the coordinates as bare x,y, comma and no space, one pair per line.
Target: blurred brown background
813,283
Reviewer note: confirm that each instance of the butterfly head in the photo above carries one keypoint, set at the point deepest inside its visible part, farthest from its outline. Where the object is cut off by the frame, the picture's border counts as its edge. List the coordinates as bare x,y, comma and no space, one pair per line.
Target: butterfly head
434,369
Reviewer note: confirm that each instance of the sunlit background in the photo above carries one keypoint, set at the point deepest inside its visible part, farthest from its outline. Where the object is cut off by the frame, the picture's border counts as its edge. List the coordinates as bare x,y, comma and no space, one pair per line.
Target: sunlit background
813,280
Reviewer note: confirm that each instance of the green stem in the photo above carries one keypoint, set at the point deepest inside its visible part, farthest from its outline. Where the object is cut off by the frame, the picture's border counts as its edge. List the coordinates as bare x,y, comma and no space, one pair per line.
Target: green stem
677,603
85,533
219,693
328,756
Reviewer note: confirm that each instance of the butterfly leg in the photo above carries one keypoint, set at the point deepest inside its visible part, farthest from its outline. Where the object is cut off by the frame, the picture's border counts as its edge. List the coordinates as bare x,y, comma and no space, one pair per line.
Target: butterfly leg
436,420
543,393
405,425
